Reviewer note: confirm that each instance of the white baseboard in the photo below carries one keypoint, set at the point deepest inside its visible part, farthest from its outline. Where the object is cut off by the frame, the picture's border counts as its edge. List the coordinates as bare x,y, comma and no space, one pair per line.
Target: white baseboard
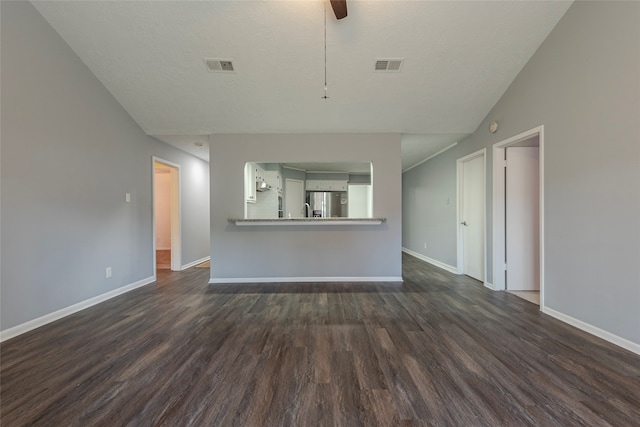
194,263
489,285
594,330
431,261
51,317
302,279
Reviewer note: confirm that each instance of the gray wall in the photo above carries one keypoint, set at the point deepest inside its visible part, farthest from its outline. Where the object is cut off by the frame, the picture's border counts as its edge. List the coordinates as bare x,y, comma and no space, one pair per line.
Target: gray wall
429,208
327,176
305,251
69,154
583,85
293,174
359,179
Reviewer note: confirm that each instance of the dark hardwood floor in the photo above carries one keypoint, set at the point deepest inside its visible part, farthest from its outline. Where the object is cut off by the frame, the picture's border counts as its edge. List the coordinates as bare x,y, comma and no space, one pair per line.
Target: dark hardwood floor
437,350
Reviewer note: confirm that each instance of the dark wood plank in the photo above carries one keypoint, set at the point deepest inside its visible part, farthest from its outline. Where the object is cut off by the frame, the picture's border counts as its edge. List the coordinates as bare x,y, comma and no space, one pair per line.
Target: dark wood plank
438,349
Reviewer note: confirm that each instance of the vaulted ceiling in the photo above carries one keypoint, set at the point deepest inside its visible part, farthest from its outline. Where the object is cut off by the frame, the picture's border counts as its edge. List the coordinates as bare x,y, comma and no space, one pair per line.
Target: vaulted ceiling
458,59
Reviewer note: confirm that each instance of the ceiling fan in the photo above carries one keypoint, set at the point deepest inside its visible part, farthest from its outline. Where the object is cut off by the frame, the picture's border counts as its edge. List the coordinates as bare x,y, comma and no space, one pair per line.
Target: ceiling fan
339,8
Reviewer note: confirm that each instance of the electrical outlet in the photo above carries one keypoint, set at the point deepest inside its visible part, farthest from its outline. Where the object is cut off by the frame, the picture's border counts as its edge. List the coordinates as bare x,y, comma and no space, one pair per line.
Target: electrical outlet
107,272
127,197
425,245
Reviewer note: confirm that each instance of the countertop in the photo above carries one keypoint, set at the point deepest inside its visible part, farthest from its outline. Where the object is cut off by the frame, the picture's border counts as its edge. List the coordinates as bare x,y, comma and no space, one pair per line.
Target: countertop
307,221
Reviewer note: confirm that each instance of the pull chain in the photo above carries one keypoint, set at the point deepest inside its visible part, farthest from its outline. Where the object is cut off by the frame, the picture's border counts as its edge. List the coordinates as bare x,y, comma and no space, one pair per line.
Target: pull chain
325,51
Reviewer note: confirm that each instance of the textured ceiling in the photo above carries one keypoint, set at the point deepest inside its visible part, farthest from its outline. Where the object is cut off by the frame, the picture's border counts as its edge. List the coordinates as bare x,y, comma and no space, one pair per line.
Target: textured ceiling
459,58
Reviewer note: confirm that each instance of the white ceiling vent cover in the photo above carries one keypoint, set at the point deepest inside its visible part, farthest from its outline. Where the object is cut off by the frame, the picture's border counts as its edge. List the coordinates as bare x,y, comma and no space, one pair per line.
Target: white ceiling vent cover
393,65
218,65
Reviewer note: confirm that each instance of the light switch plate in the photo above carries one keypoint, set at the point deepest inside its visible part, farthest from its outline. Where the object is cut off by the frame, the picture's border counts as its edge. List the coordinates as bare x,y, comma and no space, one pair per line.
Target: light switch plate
127,197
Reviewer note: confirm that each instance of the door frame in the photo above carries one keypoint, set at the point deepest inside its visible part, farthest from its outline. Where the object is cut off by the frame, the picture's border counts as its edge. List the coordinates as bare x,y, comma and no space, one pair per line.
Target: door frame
498,209
459,198
176,213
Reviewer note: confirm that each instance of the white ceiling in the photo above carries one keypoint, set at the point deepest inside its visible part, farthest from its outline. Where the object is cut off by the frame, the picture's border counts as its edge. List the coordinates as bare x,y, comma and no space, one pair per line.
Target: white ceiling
459,58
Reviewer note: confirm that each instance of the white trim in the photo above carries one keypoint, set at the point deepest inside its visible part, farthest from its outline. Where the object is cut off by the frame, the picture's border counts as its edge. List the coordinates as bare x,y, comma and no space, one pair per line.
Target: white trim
489,285
176,212
431,261
196,262
176,218
231,280
498,218
51,317
594,330
459,191
499,202
541,212
431,156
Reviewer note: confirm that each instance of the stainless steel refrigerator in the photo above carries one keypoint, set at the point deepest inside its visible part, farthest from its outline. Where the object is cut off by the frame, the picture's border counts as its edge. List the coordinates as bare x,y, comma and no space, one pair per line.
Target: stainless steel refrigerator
327,204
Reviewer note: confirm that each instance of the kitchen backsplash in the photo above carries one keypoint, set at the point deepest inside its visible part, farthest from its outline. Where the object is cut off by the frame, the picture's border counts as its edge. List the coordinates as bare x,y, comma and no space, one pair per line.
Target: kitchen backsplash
266,206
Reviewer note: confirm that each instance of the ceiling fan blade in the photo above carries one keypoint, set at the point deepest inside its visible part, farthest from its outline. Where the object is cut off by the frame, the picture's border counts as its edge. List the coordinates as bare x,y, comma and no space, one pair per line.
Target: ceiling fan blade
339,8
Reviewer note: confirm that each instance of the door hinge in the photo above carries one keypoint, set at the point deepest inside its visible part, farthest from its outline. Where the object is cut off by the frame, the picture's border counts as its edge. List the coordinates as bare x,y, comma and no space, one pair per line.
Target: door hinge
505,266
505,163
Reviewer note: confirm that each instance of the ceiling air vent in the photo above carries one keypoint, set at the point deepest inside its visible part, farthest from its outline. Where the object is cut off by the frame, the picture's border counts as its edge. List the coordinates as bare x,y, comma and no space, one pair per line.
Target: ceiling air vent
388,65
217,65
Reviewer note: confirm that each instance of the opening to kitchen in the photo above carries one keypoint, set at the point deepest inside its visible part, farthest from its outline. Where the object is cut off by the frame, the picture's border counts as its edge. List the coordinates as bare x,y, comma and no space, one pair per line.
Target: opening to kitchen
308,190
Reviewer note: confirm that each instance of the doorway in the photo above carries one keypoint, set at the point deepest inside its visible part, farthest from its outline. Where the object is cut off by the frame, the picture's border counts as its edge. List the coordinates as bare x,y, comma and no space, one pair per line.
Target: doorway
166,215
522,245
518,216
471,226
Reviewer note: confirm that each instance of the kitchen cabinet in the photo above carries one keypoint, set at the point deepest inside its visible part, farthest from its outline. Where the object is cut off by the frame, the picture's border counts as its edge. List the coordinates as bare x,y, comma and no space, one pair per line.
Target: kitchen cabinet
252,174
340,185
322,185
259,173
266,205
270,177
250,182
317,185
312,185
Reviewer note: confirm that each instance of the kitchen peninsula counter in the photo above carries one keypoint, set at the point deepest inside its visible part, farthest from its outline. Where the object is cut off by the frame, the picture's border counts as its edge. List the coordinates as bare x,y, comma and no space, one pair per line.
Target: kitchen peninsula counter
307,221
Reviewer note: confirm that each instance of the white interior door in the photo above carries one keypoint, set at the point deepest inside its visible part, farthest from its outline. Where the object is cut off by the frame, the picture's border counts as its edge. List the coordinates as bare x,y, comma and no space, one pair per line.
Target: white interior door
472,218
522,219
294,198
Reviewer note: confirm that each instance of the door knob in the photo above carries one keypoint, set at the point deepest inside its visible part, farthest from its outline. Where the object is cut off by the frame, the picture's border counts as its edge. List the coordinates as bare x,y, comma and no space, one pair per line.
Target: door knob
464,223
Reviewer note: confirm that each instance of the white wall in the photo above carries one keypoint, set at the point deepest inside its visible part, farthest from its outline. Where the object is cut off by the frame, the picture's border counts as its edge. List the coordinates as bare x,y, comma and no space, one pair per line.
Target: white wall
583,85
70,152
305,251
